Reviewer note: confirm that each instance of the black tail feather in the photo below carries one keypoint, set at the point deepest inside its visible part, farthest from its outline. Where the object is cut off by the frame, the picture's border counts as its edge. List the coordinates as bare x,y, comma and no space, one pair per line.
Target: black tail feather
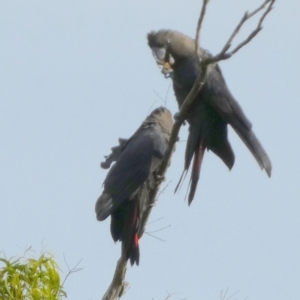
124,228
133,253
197,162
256,149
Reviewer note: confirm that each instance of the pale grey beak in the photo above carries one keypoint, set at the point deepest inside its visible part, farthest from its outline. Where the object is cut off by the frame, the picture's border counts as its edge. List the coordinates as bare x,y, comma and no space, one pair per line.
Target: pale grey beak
164,60
159,54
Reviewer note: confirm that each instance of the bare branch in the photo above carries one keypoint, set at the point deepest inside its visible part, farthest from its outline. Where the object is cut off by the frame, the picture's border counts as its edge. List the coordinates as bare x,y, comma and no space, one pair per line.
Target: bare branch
71,271
246,17
199,24
118,285
254,32
223,55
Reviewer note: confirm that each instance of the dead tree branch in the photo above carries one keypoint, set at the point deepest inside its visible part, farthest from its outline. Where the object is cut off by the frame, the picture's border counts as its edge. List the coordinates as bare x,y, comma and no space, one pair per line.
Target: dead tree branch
118,285
223,55
199,24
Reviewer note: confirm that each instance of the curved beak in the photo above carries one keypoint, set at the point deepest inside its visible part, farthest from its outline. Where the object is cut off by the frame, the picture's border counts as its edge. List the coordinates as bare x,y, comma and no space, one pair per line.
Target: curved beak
159,55
164,60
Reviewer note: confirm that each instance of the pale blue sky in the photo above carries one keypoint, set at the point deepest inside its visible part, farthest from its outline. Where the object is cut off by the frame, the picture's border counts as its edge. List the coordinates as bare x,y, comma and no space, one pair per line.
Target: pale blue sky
75,76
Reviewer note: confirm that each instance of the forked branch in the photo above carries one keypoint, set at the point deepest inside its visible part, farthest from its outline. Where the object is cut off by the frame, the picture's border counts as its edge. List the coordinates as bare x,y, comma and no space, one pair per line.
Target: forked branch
118,285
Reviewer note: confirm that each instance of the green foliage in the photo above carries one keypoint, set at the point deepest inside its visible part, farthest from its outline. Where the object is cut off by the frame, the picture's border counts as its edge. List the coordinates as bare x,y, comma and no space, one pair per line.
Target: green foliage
30,279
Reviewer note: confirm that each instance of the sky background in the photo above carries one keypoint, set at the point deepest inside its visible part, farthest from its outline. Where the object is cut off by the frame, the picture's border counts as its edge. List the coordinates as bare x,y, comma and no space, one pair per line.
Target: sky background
77,75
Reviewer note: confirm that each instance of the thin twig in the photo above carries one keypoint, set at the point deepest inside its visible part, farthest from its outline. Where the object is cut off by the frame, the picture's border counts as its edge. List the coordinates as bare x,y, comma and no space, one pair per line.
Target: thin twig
199,24
71,271
254,32
238,27
223,297
167,93
223,55
155,237
164,188
157,230
155,221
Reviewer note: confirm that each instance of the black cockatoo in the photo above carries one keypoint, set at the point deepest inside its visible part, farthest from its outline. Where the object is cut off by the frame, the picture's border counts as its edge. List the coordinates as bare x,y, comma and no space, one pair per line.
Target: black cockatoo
214,108
127,184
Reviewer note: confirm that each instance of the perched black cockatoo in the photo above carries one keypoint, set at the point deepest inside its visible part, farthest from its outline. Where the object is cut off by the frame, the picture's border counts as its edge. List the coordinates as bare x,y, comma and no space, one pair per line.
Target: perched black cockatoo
214,108
127,184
